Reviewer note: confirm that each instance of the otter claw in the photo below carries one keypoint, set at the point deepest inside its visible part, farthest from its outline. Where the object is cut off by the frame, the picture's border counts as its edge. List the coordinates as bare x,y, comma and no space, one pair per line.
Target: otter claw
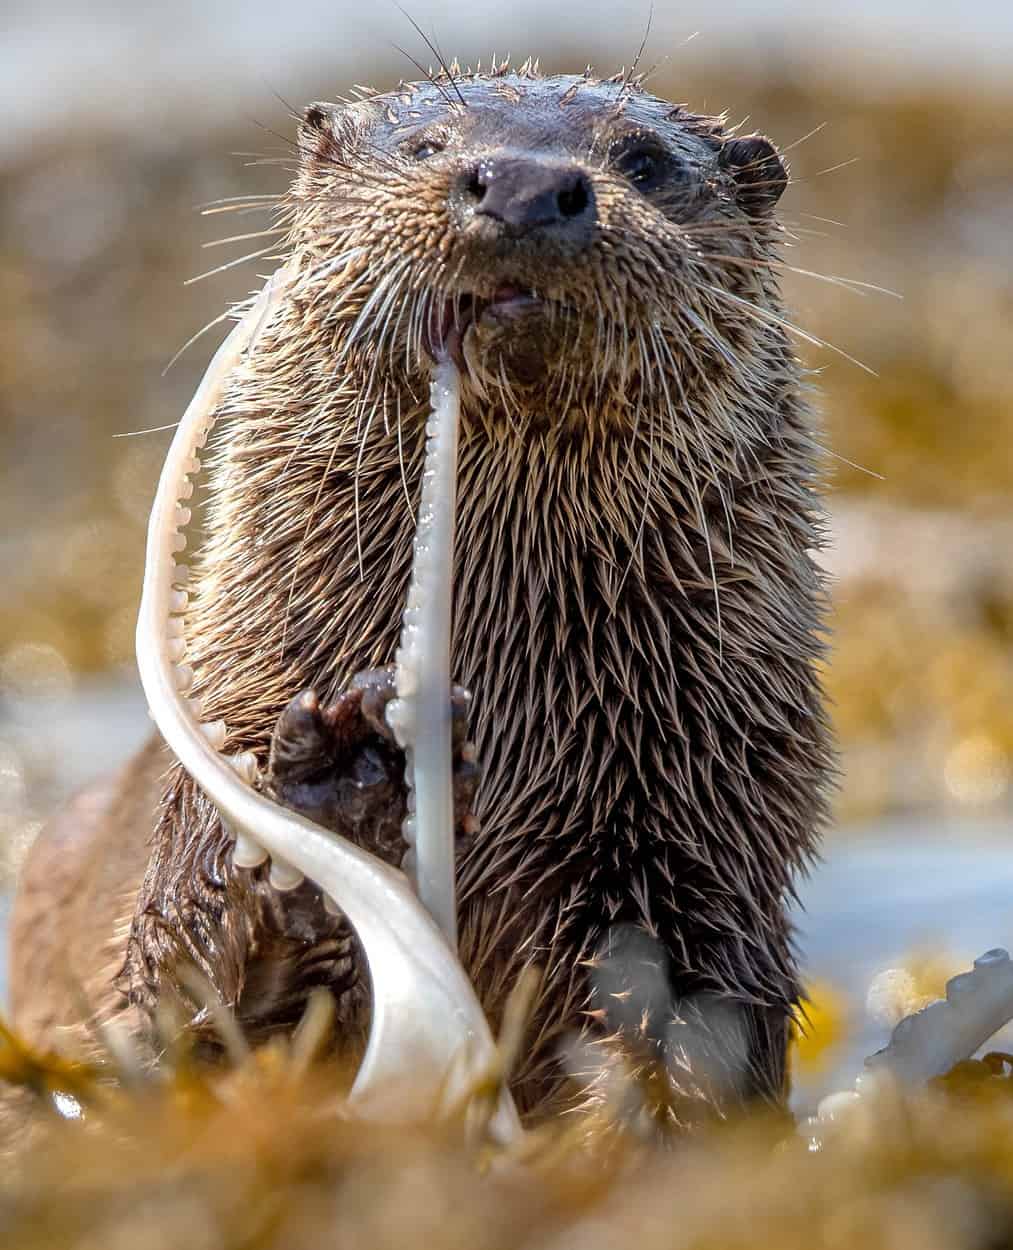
340,766
379,688
299,737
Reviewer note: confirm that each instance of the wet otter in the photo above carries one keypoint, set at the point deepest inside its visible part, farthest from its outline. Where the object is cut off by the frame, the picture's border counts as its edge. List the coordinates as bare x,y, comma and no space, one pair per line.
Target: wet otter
637,611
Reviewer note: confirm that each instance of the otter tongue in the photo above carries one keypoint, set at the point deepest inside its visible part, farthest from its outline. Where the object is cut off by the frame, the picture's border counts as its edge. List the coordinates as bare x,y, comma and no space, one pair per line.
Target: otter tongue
420,715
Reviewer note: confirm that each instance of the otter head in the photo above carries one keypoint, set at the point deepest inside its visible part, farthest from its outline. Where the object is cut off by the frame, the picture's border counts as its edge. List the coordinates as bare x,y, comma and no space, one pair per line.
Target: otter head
572,243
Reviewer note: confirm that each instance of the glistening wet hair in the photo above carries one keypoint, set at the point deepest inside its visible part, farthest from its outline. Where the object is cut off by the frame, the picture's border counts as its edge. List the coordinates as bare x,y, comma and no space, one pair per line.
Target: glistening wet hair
637,613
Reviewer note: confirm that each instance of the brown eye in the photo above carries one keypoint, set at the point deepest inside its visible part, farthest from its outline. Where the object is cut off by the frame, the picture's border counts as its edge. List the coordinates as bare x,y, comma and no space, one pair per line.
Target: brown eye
646,166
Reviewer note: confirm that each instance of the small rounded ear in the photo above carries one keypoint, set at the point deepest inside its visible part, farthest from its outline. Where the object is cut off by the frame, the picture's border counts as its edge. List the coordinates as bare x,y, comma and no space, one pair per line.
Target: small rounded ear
316,130
759,173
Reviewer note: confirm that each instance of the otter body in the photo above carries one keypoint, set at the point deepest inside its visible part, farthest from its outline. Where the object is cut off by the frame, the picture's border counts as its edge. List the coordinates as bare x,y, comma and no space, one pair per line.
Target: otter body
637,612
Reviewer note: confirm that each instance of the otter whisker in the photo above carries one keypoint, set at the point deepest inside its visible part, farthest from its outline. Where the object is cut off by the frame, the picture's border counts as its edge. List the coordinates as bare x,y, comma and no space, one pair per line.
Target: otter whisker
630,80
381,291
765,316
243,238
229,312
385,334
227,202
831,169
720,344
231,264
429,76
757,265
401,462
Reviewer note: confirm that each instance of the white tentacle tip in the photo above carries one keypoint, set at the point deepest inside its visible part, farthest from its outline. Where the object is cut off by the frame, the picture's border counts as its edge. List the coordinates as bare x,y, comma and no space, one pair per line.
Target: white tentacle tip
214,731
283,876
180,574
247,853
177,542
175,649
178,600
182,514
331,907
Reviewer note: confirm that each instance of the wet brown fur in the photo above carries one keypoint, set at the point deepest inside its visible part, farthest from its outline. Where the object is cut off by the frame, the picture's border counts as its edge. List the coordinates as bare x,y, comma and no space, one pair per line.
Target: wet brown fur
637,610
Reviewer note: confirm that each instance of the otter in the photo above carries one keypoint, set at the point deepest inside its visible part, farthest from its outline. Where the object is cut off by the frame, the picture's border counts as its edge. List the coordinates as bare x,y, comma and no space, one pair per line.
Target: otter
638,615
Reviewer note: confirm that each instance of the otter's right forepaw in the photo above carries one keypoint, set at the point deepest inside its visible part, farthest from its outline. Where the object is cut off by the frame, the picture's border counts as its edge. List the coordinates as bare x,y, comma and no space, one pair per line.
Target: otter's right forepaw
340,765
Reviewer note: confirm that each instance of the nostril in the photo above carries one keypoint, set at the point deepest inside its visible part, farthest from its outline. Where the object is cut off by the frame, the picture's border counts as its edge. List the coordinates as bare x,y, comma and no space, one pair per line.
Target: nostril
573,200
476,187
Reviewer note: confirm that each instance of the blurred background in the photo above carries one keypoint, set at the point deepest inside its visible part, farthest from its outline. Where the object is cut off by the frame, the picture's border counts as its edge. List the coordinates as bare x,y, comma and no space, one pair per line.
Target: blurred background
121,119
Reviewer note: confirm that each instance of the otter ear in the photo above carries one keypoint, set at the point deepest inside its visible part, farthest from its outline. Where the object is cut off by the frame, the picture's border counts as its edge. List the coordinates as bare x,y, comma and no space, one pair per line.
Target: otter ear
317,129
759,173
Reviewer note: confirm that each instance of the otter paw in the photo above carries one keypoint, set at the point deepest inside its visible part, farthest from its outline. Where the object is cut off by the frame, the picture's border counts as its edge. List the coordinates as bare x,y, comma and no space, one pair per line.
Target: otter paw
340,765
378,689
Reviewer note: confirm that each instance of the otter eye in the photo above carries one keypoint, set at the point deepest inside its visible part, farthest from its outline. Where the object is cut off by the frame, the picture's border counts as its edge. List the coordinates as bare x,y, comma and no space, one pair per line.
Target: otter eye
425,150
645,165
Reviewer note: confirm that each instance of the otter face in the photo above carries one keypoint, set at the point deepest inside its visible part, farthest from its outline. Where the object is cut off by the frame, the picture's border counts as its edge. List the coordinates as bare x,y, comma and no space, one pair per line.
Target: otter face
554,236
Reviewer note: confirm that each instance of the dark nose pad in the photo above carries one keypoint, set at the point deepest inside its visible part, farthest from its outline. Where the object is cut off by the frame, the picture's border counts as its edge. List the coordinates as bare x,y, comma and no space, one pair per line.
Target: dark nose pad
529,195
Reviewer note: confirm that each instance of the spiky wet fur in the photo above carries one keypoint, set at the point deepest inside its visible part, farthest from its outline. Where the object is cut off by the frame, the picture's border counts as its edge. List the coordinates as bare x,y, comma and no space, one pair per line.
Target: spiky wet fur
636,608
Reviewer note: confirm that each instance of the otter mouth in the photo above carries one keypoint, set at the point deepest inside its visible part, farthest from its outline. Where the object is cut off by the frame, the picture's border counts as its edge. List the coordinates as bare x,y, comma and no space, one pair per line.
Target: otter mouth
457,329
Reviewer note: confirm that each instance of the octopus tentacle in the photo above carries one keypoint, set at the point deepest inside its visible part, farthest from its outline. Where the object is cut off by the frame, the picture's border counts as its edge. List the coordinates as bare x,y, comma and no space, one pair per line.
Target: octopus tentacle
428,1034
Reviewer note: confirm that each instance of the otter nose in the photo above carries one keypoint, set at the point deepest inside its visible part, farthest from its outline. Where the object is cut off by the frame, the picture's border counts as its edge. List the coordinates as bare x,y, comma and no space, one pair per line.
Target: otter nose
528,195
